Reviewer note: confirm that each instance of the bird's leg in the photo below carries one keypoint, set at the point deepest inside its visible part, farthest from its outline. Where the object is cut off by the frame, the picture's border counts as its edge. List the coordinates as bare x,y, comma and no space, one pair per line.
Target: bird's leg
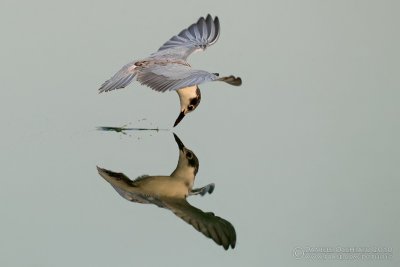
203,190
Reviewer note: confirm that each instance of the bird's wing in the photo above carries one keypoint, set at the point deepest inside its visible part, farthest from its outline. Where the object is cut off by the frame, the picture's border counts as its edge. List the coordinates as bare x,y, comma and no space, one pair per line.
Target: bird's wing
172,76
125,187
120,79
118,180
214,227
197,36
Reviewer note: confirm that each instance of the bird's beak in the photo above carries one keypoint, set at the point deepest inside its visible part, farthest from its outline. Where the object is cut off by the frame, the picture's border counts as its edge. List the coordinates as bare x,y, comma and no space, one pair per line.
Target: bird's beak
179,142
180,117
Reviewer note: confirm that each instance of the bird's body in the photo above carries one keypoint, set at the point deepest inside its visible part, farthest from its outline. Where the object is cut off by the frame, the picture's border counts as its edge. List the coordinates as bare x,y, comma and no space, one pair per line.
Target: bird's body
170,192
151,190
168,70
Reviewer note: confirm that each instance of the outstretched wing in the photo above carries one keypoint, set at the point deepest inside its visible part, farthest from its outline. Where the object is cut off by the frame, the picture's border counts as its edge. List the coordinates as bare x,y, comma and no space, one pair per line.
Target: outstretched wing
198,36
118,180
125,187
120,79
172,76
214,227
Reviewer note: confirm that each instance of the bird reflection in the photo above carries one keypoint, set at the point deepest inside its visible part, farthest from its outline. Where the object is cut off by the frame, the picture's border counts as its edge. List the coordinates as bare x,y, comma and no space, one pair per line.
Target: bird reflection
170,192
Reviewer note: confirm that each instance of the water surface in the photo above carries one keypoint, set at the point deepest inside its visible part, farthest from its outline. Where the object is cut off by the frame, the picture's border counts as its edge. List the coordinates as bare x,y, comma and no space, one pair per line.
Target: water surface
304,154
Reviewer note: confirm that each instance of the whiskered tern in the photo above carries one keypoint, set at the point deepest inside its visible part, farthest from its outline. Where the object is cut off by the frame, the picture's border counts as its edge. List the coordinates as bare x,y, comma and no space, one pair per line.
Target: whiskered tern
168,70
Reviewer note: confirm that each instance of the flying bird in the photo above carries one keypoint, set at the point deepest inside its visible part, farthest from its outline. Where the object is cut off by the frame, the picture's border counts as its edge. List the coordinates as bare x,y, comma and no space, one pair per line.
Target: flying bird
170,192
168,69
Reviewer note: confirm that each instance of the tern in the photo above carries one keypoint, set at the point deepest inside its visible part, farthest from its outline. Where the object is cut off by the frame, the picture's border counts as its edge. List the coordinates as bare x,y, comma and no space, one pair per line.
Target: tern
168,70
170,192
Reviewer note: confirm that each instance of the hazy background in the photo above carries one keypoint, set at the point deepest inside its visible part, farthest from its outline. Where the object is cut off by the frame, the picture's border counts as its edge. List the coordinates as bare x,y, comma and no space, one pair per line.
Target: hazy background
304,154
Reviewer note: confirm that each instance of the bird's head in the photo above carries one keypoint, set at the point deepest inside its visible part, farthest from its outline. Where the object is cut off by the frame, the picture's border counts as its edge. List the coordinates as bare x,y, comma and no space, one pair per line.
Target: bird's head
187,158
190,98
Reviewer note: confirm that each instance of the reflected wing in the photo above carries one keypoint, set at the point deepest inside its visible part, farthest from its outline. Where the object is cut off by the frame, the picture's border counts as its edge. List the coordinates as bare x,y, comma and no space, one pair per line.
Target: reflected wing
214,227
198,36
172,76
118,180
125,187
129,189
120,79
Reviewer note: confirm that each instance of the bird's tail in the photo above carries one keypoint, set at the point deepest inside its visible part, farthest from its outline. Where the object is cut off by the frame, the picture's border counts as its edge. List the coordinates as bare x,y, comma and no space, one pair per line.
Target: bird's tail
231,80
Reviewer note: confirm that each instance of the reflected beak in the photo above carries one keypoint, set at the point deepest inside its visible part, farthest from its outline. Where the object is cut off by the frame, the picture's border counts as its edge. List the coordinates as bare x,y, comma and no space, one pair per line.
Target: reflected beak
179,142
180,117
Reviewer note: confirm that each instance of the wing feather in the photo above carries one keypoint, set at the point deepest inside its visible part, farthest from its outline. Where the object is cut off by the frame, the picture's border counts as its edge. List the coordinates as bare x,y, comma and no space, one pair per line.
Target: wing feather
199,35
120,79
218,229
167,77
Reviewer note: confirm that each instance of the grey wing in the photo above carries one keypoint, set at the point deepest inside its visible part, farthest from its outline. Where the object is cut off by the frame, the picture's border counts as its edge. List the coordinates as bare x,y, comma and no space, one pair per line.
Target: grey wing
120,79
214,227
172,76
197,36
124,186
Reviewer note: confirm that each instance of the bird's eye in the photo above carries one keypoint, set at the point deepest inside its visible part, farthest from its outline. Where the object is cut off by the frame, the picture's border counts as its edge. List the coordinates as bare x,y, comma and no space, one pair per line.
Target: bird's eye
190,107
189,155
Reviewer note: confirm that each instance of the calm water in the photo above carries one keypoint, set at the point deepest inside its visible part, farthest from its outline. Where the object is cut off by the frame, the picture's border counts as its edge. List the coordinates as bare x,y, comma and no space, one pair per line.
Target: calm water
304,155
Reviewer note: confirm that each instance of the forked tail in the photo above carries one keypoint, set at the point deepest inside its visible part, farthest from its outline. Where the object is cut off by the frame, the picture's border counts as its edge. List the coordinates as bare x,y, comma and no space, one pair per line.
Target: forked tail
236,81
